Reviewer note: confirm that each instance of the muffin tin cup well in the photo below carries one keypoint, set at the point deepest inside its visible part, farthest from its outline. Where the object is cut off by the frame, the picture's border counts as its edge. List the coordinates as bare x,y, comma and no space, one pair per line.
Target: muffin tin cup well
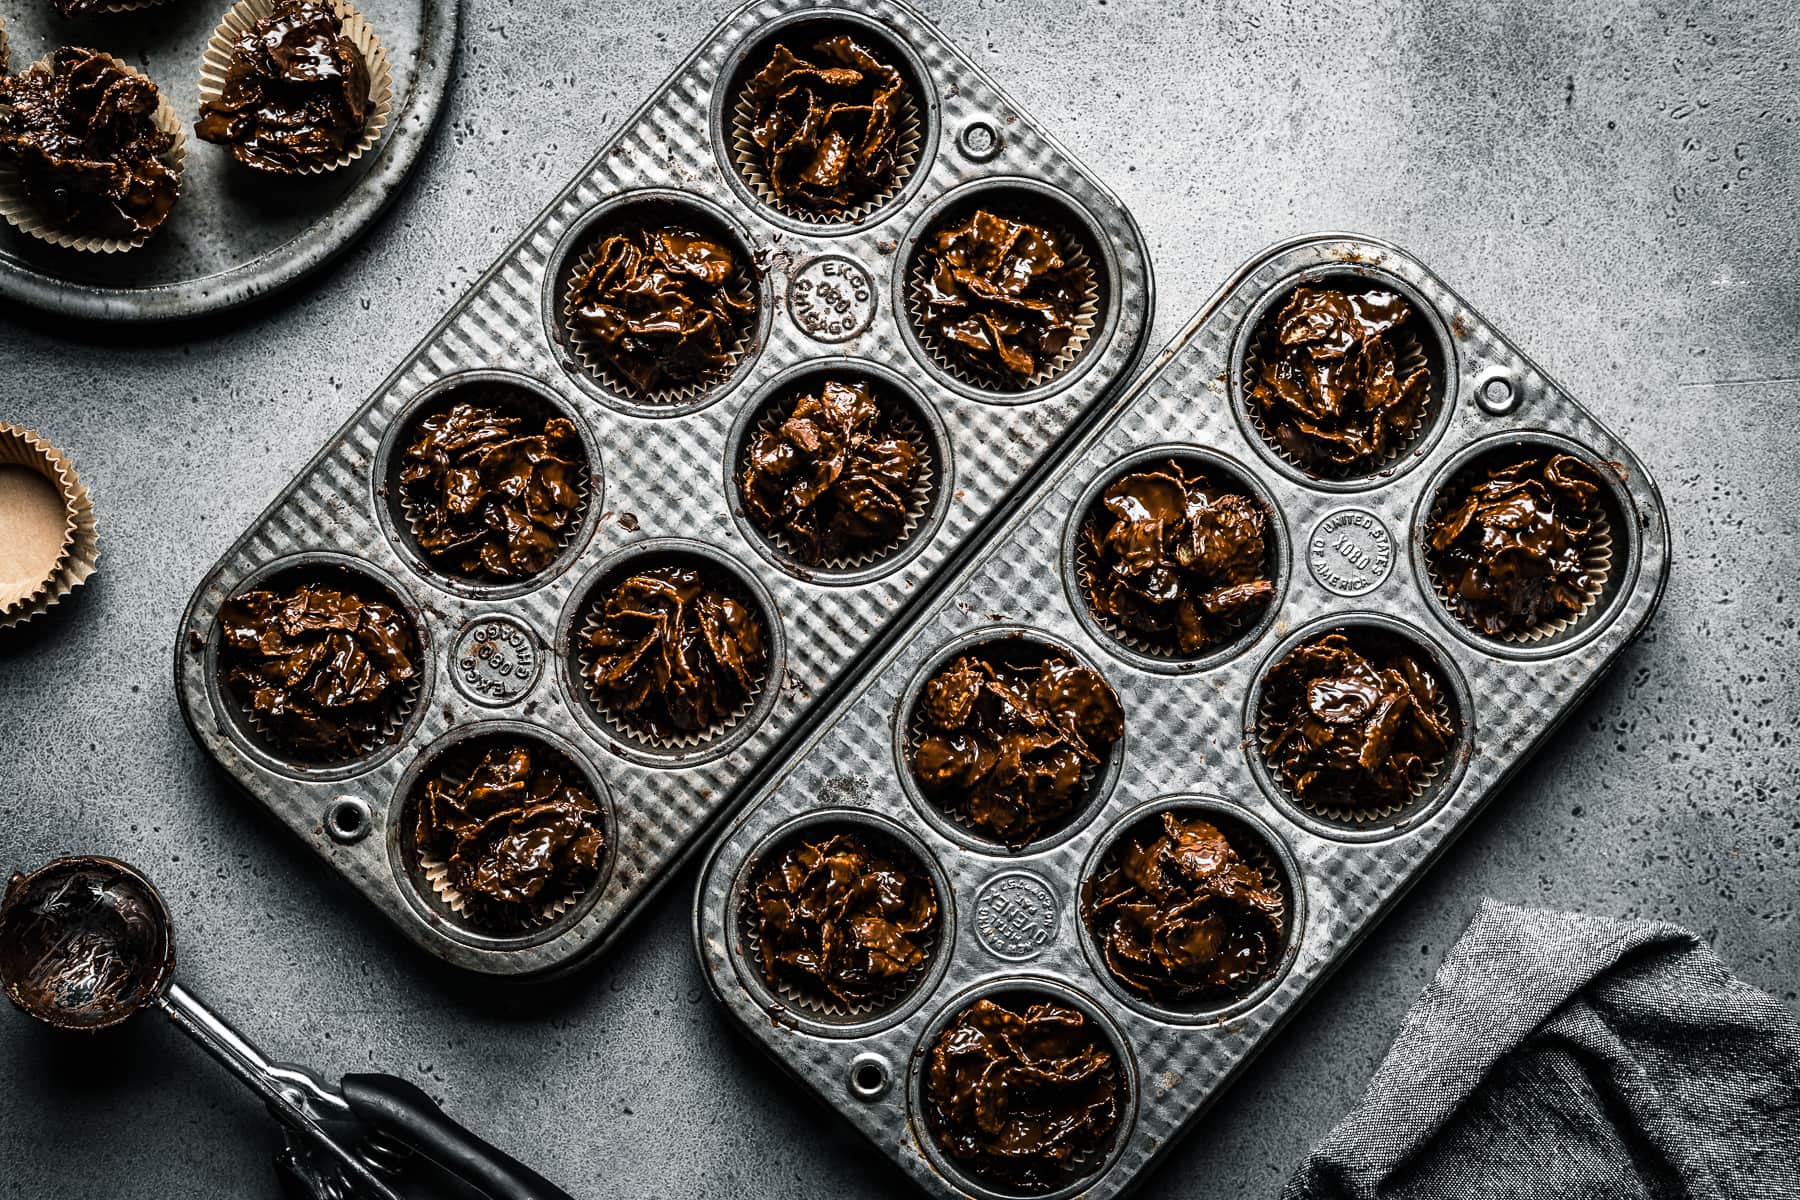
240,18
1191,736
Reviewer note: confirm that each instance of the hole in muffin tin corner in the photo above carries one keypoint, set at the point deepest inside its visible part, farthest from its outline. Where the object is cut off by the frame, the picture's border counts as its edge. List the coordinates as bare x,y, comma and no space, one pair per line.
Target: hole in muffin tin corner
511,395
1139,650
1096,279
352,575
905,409
1613,505
821,1015
1017,992
1424,330
435,900
1020,645
1370,633
580,354
642,744
916,145
1255,843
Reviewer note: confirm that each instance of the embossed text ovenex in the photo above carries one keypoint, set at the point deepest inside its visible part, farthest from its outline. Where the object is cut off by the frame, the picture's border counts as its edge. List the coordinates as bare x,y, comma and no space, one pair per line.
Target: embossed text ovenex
833,299
1344,571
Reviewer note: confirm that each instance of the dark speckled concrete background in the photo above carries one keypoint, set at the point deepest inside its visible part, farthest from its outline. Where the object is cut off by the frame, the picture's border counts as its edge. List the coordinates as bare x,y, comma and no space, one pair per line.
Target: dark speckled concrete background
1614,184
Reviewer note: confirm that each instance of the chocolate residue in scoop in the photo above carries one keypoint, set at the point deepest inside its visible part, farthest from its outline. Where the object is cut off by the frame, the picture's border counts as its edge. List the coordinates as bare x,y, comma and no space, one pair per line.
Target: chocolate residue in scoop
322,670
84,943
834,478
82,137
839,917
1004,741
1179,561
1180,916
1330,387
489,492
673,652
1512,553
517,829
826,125
1000,296
667,306
296,94
1346,724
1025,1097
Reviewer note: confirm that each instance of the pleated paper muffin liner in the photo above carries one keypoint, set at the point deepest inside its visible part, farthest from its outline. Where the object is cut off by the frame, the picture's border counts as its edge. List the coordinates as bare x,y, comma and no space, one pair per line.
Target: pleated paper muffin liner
215,64
593,357
1409,355
746,155
19,210
436,874
641,731
504,399
919,497
1596,560
79,551
1087,314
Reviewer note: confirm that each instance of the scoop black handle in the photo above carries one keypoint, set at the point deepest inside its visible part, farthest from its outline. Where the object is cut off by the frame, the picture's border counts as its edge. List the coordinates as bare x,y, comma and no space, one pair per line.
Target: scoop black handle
399,1109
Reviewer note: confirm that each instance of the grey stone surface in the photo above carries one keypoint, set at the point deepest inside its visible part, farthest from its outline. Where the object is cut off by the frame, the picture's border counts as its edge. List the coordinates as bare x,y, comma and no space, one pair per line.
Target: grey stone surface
1614,186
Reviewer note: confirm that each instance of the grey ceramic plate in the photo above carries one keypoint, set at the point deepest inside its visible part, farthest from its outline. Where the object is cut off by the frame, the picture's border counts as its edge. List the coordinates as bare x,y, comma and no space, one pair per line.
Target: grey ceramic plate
232,238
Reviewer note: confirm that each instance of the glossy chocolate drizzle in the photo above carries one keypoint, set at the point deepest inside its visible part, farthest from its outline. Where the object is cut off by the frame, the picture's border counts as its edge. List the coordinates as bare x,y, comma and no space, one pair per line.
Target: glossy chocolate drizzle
1000,296
834,478
1330,386
1006,734
1512,553
1180,916
322,669
839,917
517,829
1347,724
296,93
1177,560
82,137
490,492
666,305
673,653
1026,1097
827,125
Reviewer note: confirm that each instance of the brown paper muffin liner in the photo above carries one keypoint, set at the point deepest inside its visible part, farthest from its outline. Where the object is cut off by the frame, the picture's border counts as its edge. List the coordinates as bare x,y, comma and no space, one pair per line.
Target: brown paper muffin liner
1597,559
1266,735
504,399
79,552
918,499
237,21
18,210
746,155
639,731
1409,354
593,358
1086,316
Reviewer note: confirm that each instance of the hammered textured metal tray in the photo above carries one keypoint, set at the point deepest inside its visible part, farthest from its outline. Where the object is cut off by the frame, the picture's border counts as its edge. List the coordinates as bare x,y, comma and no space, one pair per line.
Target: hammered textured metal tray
504,658
232,239
1011,920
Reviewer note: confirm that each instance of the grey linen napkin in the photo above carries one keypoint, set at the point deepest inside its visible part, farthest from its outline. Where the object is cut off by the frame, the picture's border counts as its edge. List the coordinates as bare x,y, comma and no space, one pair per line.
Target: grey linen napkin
1559,1056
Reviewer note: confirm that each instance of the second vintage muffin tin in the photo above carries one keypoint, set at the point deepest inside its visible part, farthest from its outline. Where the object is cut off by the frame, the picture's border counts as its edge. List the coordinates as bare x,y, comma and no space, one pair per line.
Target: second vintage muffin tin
1345,553
831,299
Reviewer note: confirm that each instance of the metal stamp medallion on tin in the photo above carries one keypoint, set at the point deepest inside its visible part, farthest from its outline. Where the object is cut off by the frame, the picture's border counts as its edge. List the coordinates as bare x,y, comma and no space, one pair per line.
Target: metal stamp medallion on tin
1016,915
495,660
832,298
1350,552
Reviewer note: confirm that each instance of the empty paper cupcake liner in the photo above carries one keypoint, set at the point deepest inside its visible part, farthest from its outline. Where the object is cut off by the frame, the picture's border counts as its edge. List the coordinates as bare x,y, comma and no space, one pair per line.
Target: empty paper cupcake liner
1087,314
746,155
215,64
593,357
918,499
1597,560
30,587
18,209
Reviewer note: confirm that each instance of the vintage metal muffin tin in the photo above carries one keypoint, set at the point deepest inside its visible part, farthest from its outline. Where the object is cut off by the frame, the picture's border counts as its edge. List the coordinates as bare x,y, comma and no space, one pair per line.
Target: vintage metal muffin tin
658,481
1012,919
